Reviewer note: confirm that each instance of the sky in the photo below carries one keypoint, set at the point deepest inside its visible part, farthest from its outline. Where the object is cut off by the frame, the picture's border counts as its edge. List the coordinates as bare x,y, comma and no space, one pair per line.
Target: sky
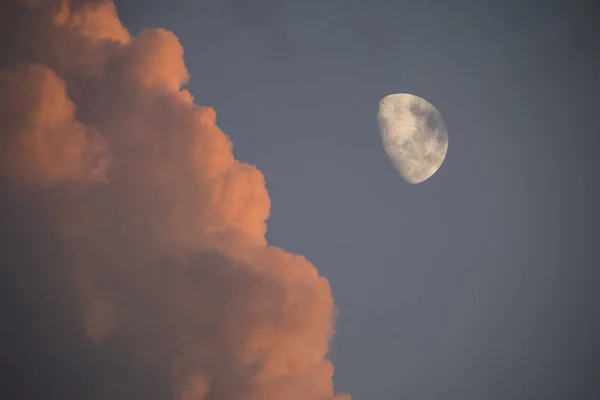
197,205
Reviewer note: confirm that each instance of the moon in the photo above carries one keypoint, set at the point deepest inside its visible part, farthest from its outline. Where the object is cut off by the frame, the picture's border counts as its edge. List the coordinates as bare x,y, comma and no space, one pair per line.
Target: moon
414,136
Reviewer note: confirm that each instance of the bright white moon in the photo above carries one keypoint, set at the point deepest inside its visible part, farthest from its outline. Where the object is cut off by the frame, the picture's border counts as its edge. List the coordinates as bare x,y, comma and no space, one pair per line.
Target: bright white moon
414,136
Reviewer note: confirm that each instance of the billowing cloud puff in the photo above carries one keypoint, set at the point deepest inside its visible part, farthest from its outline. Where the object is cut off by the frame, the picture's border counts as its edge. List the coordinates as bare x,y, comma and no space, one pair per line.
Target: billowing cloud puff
134,243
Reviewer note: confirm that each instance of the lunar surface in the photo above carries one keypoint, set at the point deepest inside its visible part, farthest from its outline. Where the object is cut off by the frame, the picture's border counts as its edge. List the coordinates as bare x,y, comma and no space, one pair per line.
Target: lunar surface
414,136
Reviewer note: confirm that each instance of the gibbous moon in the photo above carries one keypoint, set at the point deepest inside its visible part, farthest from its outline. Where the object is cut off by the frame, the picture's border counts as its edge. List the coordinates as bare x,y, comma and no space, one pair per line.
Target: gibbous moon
414,136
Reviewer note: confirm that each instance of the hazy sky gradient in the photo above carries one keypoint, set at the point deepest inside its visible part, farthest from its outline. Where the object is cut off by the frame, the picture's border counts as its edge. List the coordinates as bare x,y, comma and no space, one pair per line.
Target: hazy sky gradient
479,284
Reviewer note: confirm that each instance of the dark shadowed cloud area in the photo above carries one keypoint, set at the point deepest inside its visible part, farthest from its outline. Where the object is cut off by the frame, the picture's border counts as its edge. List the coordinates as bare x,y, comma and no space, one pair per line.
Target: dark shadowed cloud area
196,204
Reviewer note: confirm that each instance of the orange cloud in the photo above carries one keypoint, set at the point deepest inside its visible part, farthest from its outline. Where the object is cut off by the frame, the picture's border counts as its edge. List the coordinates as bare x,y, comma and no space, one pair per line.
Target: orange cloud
157,232
42,142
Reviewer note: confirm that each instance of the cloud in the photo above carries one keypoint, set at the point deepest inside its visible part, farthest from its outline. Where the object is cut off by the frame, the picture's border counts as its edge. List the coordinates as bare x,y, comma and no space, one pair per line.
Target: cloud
134,243
42,142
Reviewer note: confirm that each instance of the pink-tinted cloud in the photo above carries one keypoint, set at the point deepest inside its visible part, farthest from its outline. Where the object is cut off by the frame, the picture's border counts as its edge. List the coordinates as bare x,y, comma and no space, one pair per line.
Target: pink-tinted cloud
145,222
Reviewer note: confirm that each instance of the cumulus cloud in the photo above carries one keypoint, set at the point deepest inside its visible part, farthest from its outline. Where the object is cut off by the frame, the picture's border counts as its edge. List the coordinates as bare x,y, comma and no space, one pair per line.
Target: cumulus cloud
42,141
134,243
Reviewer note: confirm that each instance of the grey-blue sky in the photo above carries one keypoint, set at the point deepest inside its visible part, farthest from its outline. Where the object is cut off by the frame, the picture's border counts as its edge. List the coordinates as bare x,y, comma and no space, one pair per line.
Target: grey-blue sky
478,284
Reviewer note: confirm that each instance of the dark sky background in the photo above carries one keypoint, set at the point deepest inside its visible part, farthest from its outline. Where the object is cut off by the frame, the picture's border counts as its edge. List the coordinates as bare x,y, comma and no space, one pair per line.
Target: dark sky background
479,284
